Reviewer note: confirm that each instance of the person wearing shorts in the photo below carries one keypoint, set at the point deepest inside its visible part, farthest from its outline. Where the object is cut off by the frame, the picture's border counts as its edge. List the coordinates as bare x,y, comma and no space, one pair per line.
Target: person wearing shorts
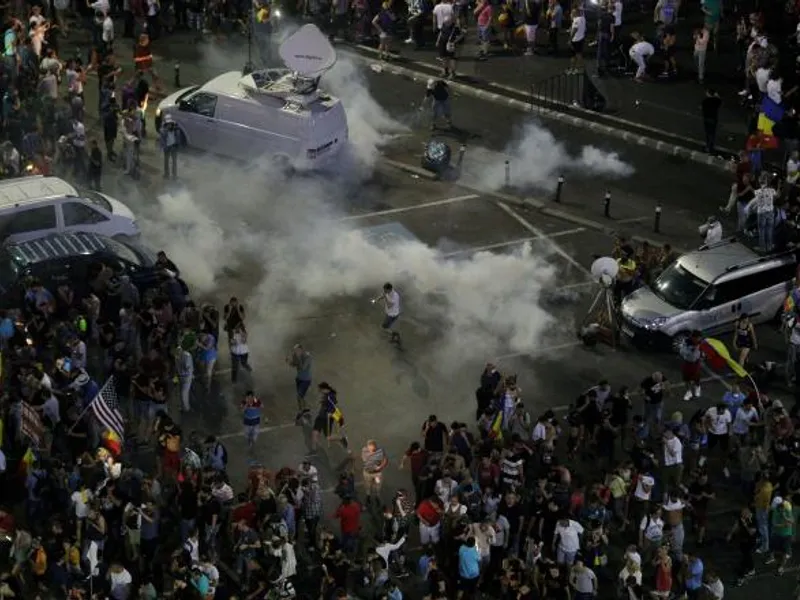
375,461
577,38
782,521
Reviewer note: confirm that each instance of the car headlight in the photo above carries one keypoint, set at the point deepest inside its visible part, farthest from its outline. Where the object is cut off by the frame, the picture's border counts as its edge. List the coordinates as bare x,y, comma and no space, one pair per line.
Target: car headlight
655,323
158,112
277,14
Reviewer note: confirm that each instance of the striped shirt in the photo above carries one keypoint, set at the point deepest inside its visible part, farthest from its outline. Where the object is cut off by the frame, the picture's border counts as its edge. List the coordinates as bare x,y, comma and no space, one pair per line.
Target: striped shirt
372,460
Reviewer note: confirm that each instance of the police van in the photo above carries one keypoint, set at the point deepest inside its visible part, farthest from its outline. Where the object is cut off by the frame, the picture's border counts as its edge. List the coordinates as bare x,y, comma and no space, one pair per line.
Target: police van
280,114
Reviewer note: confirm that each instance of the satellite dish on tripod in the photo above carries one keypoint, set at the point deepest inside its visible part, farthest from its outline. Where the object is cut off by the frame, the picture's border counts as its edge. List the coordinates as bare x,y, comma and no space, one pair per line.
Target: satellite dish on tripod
605,270
601,322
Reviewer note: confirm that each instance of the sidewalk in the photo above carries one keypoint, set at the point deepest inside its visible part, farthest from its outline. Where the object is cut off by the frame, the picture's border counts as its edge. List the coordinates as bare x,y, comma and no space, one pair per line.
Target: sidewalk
670,106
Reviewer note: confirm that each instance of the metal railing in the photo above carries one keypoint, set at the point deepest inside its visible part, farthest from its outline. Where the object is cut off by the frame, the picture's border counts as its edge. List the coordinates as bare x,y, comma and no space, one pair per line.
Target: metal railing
567,90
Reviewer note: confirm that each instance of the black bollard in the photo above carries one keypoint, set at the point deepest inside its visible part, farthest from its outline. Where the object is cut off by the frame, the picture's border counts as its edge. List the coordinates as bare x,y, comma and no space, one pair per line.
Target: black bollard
657,221
461,150
607,206
177,75
508,174
558,188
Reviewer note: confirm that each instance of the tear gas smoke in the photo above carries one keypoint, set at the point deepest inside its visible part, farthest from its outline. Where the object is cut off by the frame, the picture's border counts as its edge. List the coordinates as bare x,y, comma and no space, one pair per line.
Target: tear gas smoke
277,243
536,160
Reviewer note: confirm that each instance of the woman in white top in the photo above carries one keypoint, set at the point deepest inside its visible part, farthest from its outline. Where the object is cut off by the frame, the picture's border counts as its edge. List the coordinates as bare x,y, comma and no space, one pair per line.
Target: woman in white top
639,53
240,352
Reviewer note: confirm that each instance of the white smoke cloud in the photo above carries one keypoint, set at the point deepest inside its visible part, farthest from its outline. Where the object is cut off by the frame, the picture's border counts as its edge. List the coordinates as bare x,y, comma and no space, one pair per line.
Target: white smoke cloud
536,159
278,244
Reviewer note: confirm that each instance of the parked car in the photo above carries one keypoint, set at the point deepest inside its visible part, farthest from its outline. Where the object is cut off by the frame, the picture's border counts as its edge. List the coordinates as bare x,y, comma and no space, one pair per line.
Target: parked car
708,290
32,207
72,258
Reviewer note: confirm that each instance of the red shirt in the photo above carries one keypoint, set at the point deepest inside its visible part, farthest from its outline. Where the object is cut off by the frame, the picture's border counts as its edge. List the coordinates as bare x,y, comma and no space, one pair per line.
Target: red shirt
349,516
7,524
417,460
429,513
246,512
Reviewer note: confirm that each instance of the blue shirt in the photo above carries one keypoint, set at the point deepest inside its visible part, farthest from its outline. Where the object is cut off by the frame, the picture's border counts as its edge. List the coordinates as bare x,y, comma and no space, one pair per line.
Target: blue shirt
469,562
424,565
733,400
694,580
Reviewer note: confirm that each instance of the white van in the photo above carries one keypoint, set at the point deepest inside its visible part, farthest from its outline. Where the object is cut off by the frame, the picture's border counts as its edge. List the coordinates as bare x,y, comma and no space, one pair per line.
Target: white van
32,207
276,113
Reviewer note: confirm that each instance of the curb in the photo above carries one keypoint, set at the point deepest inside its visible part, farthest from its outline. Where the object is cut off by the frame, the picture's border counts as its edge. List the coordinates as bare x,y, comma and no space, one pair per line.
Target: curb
581,122
528,203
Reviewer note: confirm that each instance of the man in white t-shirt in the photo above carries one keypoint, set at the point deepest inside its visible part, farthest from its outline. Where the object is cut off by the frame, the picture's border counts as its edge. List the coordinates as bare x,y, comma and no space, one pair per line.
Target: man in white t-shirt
718,424
567,541
391,308
442,13
577,35
640,52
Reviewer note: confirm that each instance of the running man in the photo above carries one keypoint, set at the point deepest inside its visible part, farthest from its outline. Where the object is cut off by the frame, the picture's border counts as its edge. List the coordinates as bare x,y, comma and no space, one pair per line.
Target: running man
300,359
391,306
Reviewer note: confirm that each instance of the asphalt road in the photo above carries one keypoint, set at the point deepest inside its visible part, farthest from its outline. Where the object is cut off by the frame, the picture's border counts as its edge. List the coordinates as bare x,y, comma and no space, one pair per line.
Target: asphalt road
450,249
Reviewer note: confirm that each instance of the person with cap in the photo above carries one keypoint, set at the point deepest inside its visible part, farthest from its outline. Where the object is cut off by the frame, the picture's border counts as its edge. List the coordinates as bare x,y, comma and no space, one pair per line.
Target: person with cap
782,526
711,231
438,92
169,139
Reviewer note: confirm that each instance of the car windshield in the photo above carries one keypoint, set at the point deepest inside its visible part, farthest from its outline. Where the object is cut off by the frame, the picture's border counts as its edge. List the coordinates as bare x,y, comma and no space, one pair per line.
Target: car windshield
96,199
678,287
124,252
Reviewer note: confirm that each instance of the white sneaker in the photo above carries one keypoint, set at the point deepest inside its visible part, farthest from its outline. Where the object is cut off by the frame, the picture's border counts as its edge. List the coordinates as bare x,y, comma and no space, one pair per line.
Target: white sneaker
687,396
409,41
697,391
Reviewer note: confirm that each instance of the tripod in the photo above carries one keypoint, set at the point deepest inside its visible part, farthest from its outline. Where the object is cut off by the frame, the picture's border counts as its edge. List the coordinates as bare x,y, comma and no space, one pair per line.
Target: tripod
601,322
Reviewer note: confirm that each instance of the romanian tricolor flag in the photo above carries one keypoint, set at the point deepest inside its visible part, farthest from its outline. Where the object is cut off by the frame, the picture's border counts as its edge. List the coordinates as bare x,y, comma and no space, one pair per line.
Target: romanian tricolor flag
26,462
112,443
496,429
769,114
718,358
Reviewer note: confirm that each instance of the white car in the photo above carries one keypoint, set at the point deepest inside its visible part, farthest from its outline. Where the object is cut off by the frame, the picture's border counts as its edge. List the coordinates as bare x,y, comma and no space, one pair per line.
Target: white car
33,207
280,114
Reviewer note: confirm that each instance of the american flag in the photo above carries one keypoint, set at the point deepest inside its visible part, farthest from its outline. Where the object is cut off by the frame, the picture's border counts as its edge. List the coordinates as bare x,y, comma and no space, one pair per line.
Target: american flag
106,408
31,424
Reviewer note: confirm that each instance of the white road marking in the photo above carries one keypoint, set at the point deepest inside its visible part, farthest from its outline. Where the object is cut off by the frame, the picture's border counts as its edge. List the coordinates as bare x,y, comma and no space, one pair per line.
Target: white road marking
265,429
402,209
541,234
540,350
515,242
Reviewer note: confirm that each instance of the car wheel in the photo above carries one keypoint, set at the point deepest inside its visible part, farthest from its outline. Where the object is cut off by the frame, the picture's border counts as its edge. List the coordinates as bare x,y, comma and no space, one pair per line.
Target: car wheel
679,340
282,163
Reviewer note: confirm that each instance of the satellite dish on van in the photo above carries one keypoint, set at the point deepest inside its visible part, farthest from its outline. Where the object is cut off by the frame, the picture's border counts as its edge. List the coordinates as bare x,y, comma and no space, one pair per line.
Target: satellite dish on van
605,270
308,52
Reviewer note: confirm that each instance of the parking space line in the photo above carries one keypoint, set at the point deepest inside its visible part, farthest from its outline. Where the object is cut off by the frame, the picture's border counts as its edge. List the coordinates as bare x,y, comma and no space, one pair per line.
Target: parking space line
540,350
265,429
516,242
402,209
541,234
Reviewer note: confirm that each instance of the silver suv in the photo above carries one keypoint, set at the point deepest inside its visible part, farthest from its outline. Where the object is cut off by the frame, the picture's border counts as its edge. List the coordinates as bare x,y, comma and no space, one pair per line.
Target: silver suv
707,290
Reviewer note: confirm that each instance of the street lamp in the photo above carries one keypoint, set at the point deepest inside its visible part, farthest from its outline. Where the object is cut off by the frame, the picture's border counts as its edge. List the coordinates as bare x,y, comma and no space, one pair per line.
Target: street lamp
248,66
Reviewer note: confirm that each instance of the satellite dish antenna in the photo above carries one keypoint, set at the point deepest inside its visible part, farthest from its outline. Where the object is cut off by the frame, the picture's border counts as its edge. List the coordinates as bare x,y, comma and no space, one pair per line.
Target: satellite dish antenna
308,52
605,270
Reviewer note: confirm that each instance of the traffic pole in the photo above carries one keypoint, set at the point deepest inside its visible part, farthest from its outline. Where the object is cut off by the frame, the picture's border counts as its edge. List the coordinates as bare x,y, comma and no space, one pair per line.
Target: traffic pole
508,174
657,222
177,75
558,188
607,205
